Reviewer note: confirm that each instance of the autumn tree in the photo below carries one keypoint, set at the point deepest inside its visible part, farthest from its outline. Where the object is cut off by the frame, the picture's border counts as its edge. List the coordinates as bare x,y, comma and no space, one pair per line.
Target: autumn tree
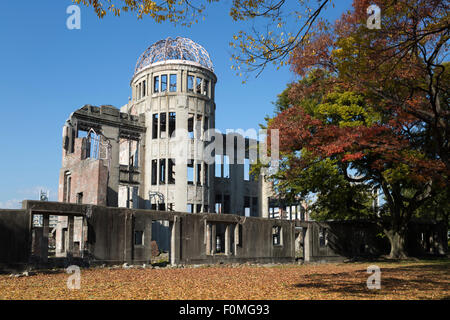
404,63
381,118
320,181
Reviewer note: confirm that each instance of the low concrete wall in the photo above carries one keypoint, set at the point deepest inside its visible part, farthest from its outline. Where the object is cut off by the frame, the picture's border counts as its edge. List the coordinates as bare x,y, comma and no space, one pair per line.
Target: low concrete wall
363,239
14,239
118,235
340,240
251,239
112,232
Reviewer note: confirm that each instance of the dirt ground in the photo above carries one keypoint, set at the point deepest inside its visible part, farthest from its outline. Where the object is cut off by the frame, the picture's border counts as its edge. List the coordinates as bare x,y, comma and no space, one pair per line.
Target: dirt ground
399,280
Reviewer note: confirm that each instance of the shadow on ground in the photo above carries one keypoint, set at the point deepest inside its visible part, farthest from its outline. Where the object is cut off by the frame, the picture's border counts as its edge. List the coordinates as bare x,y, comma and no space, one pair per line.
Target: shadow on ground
399,280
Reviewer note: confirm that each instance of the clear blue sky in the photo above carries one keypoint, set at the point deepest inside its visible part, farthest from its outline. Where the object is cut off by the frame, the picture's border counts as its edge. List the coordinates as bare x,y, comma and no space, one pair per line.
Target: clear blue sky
48,71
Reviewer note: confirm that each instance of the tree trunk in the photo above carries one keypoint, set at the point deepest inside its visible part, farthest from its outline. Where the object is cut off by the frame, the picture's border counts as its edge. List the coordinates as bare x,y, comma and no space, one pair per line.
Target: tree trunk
397,240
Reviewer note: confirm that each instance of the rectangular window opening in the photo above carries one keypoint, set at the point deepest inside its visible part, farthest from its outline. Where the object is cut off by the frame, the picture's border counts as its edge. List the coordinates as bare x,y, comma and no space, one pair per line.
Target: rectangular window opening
172,123
190,85
218,203
156,84
323,237
138,238
154,172
171,177
205,87
155,126
218,166
173,83
198,85
80,198
162,171
226,166
67,182
163,125
163,83
190,171
247,206
191,125
276,235
69,185
206,124
247,169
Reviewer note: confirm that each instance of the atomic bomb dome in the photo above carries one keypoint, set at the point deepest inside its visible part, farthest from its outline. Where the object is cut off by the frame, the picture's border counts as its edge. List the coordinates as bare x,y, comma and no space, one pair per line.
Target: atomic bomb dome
180,49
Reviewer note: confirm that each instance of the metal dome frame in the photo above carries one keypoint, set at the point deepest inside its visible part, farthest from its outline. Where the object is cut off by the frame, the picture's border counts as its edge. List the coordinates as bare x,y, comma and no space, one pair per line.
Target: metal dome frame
174,49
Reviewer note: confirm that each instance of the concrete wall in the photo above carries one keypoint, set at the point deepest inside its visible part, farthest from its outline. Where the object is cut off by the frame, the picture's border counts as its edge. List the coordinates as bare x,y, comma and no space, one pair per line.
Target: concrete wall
15,238
342,240
251,239
118,235
111,235
351,239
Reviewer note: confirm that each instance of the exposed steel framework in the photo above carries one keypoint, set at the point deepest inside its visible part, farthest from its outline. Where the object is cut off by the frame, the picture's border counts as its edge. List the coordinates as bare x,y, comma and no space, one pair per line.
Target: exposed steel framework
174,49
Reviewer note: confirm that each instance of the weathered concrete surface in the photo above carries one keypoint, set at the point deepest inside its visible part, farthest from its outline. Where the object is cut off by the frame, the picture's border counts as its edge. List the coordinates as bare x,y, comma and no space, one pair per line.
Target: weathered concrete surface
122,235
364,239
111,235
14,238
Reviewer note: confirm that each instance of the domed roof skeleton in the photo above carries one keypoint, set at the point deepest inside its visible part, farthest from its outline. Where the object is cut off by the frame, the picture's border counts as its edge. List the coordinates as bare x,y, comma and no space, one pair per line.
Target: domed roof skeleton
174,49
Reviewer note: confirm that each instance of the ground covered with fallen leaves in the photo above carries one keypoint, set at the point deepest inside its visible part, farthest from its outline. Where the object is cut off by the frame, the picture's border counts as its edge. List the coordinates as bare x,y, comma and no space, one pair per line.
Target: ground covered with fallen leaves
399,280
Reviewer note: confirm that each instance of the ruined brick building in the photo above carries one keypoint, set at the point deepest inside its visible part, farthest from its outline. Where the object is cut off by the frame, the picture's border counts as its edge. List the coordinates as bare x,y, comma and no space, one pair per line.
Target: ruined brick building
130,157
127,157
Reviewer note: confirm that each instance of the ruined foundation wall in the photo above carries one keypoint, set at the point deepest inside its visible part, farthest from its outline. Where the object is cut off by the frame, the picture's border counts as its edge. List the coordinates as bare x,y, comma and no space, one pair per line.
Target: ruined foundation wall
14,238
118,235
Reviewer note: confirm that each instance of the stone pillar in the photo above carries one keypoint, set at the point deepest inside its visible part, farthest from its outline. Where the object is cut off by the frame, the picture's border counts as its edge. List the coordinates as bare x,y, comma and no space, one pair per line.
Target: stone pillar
148,240
208,237
236,239
214,239
70,232
307,244
175,241
128,237
44,242
142,169
228,240
263,201
84,233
